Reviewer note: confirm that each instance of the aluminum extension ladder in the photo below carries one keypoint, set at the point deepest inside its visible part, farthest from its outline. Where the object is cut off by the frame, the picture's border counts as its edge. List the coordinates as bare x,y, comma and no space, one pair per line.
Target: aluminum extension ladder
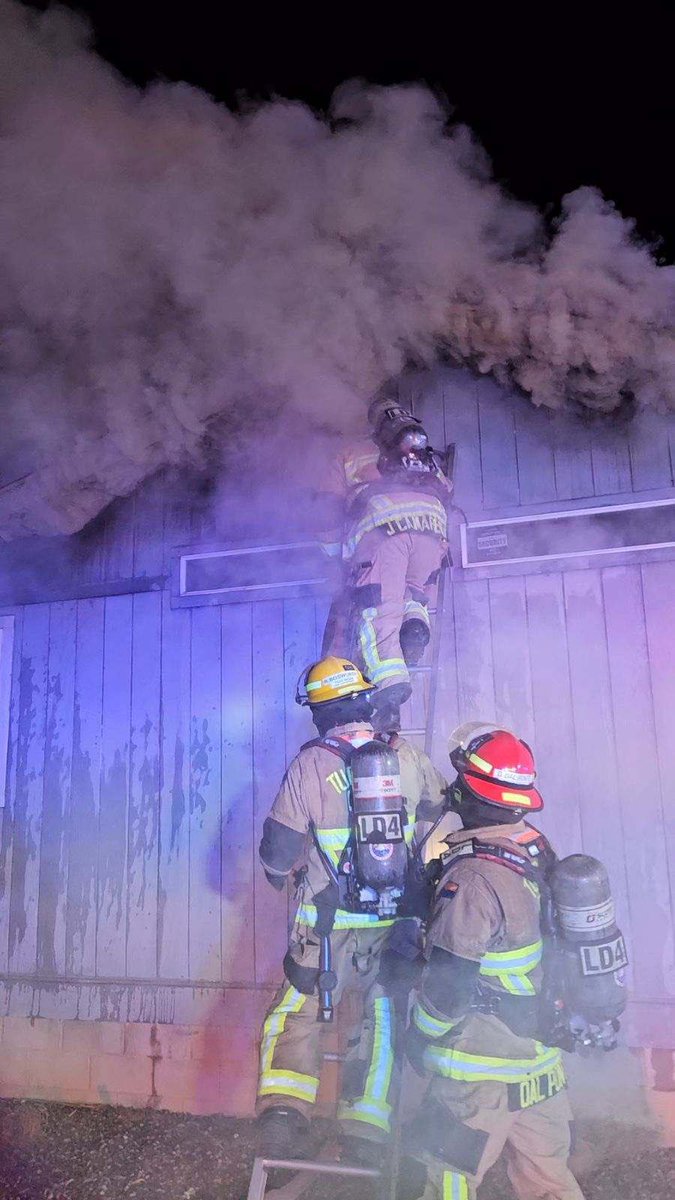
297,1185
418,712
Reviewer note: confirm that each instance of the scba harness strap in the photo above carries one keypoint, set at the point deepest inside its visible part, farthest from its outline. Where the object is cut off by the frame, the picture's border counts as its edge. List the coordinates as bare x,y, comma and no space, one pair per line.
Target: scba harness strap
518,1005
533,863
343,889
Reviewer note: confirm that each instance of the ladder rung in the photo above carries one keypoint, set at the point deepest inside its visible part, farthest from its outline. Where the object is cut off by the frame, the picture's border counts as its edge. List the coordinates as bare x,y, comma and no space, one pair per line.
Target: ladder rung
258,1183
424,670
413,732
321,1168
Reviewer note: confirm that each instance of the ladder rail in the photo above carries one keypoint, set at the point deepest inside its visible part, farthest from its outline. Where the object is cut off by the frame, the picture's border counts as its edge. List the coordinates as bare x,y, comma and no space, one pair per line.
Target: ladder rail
435,657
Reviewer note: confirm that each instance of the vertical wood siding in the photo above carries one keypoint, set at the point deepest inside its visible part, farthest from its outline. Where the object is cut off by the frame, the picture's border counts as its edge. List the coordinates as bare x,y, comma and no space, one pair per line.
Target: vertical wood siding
146,743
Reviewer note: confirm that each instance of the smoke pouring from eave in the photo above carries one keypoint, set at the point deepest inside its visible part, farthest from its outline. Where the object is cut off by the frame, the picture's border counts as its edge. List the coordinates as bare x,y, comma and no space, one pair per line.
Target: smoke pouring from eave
175,275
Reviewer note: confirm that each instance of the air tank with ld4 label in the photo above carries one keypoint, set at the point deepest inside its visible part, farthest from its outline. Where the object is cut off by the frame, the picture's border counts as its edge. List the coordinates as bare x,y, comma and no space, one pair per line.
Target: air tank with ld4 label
381,856
592,946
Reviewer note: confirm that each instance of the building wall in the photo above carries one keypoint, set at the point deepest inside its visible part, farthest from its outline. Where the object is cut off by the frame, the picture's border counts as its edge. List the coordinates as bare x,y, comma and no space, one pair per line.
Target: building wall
146,743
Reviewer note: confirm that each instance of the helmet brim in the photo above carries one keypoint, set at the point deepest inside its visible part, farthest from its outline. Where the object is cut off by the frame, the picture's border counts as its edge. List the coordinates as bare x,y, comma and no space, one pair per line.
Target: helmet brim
501,794
343,694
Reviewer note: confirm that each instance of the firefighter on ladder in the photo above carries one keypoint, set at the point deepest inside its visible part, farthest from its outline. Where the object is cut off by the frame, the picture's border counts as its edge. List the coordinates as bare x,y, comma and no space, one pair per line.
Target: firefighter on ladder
310,817
475,1022
394,546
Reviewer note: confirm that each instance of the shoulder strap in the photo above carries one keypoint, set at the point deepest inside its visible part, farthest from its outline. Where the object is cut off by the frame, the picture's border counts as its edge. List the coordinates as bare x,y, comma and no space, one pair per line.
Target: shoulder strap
336,746
514,860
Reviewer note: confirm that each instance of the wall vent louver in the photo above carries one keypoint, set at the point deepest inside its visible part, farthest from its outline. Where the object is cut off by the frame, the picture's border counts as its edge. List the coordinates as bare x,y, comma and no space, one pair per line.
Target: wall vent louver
576,533
246,573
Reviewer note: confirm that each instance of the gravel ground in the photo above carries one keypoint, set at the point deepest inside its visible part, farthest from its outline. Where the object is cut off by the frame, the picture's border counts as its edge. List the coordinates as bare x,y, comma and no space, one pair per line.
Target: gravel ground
59,1152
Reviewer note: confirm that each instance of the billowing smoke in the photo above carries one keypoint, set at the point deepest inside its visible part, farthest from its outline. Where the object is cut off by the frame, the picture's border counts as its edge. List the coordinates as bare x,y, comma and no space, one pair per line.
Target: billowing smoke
175,276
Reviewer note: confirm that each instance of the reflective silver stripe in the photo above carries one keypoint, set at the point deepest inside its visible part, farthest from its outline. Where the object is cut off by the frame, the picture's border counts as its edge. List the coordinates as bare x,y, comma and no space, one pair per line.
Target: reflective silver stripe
307,915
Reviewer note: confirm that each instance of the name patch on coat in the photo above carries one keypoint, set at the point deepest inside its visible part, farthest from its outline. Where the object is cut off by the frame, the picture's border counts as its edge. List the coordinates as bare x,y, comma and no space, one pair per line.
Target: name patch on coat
432,522
536,1088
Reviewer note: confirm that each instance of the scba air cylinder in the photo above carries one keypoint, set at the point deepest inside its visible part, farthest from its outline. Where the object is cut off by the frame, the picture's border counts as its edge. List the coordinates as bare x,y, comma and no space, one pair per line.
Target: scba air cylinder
379,815
592,946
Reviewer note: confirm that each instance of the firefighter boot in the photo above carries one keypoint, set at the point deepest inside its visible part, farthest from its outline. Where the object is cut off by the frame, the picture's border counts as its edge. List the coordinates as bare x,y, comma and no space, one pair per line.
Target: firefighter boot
361,1152
282,1133
414,639
387,702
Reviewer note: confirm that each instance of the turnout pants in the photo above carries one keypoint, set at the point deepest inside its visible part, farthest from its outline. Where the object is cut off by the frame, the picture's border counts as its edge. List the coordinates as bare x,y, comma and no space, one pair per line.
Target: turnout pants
478,1125
292,1042
392,578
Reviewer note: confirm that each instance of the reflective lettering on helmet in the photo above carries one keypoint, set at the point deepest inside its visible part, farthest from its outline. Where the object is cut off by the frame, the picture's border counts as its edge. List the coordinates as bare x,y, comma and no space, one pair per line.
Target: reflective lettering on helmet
506,775
340,679
480,763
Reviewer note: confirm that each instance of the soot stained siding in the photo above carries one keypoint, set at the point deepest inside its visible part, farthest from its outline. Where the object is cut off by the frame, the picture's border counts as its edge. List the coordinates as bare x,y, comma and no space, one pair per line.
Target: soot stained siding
146,742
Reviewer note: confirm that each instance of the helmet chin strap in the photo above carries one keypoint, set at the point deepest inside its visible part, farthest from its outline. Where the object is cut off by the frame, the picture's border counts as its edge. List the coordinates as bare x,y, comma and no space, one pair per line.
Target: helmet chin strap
475,813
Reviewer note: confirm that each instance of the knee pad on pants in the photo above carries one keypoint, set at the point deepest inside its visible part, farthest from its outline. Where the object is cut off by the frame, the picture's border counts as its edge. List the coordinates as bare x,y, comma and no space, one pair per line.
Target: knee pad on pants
304,979
354,1074
447,1139
369,595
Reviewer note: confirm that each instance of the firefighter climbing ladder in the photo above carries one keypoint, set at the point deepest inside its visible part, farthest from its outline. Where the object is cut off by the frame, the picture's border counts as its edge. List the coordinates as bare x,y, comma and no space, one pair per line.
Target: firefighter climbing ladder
417,725
418,714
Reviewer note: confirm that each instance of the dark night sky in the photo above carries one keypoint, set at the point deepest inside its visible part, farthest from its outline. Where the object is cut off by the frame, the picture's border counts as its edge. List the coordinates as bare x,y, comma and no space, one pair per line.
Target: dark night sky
557,96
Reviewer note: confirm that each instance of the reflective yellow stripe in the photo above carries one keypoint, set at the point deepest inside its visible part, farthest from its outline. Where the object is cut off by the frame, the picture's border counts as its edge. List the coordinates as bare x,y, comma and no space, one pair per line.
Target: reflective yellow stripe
378,669
430,1026
372,1107
518,798
511,967
379,1075
517,985
522,959
383,510
455,1064
282,1082
370,1113
413,608
354,465
289,1083
332,842
455,1186
307,915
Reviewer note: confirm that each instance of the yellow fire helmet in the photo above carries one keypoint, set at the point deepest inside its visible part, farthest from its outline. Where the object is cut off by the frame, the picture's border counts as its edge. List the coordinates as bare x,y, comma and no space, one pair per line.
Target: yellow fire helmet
330,679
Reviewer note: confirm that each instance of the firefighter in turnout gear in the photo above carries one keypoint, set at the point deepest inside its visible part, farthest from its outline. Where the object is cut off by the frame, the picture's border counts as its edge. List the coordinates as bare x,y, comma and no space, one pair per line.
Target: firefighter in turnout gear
311,822
395,543
475,1021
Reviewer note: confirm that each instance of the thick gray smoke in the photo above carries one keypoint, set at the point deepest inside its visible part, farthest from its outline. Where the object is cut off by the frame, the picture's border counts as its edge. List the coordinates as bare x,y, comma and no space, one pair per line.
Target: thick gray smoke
173,274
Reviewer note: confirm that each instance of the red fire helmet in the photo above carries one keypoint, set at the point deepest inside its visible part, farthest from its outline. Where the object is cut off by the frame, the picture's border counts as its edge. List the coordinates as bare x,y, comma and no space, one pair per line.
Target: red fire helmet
495,766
